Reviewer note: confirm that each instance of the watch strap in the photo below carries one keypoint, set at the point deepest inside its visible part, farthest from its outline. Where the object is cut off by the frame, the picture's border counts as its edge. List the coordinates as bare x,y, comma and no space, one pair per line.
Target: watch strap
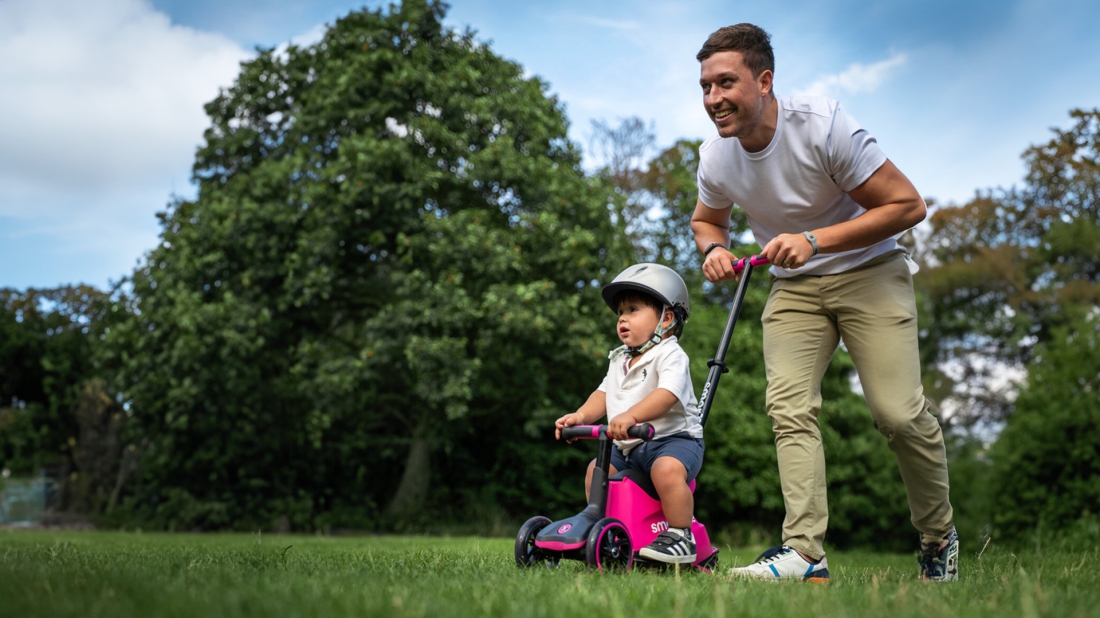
813,241
711,247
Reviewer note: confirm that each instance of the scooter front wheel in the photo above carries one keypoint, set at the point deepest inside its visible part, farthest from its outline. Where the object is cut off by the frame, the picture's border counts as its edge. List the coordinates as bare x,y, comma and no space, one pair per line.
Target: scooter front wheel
609,548
527,553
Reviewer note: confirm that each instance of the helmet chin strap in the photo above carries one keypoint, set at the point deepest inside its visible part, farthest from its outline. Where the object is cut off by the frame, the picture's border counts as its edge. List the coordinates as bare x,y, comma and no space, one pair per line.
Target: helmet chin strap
657,337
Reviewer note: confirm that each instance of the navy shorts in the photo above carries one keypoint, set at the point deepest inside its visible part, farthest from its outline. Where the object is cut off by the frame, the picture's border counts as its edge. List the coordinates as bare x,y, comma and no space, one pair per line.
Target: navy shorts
681,446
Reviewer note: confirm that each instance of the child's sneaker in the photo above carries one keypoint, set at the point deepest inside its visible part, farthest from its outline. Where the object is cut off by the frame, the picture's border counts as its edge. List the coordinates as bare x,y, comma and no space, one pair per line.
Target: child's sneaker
784,563
673,546
940,562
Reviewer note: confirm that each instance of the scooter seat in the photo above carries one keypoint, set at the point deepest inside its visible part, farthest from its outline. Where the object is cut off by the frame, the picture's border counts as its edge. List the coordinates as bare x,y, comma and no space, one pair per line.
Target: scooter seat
639,478
642,480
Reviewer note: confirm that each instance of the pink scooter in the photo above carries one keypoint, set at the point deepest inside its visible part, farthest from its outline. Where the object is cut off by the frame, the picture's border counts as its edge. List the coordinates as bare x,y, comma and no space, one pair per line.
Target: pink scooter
624,512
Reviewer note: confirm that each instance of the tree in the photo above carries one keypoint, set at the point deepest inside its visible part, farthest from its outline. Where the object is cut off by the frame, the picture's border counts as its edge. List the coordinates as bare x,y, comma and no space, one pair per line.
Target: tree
56,414
657,197
46,340
1012,266
383,291
623,151
669,182
1047,460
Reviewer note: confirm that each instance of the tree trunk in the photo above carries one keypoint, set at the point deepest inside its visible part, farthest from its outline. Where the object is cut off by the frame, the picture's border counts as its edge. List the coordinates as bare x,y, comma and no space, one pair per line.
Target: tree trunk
414,482
130,457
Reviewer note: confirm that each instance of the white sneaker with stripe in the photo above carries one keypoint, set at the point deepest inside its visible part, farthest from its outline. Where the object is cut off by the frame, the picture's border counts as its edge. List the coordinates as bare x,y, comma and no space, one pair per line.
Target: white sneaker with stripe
673,546
784,563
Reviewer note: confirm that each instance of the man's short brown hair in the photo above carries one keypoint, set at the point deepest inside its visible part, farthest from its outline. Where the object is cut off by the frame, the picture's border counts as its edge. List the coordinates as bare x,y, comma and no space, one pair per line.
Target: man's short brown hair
754,44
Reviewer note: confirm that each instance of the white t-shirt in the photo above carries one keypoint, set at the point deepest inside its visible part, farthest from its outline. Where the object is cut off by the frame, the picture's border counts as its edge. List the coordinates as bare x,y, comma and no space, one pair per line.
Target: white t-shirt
799,182
666,366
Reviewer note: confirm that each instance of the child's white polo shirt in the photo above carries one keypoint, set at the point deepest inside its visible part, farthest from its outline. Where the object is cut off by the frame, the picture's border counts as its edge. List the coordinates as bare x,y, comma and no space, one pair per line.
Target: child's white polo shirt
666,366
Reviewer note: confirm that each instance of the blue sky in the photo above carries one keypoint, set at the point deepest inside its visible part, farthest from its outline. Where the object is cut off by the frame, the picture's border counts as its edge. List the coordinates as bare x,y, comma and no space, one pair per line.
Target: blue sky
101,103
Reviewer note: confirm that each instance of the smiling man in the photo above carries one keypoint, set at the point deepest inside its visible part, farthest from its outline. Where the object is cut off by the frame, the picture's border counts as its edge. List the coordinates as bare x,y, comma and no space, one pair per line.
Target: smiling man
826,205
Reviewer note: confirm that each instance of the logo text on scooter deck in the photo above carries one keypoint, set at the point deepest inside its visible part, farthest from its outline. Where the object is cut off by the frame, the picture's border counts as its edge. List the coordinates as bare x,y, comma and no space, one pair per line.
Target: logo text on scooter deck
565,528
661,526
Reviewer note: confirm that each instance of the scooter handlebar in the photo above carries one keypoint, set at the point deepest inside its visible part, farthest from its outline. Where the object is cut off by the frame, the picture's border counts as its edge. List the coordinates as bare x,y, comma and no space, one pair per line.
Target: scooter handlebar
644,431
755,260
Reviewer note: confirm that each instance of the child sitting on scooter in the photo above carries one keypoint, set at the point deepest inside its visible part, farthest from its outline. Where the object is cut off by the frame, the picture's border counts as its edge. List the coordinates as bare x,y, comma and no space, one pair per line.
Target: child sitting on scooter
649,381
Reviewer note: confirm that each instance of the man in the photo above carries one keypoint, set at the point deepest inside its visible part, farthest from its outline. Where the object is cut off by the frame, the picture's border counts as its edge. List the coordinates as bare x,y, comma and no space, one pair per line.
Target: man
825,204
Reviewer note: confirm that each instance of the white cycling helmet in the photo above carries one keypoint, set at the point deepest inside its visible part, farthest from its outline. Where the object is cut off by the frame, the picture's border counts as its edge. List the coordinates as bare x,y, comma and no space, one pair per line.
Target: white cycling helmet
658,281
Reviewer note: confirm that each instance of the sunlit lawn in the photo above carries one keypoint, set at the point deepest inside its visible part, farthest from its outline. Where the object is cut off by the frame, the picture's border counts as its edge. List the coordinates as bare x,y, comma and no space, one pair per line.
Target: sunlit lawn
133,574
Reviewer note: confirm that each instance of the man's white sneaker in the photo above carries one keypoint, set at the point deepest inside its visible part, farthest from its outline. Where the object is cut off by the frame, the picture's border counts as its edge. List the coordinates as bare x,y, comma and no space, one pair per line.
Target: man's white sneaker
784,563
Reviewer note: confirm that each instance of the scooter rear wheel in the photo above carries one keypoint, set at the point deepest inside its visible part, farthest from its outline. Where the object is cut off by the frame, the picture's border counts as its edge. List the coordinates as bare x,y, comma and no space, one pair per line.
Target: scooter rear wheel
527,553
609,548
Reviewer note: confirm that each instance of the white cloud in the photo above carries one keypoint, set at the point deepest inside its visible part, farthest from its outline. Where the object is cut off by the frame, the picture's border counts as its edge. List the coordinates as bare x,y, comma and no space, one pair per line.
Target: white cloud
307,38
857,78
102,93
612,24
102,109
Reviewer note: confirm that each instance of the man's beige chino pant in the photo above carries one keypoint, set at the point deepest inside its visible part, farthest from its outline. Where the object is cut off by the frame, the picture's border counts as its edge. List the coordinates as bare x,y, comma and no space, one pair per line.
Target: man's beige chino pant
871,308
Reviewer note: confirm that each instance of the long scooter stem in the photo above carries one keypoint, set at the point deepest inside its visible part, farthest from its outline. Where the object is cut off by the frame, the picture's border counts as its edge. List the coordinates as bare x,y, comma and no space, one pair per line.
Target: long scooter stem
717,364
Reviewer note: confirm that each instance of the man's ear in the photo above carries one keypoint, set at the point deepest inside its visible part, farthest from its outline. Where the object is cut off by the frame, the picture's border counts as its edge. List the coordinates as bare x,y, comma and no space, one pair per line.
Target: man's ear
764,80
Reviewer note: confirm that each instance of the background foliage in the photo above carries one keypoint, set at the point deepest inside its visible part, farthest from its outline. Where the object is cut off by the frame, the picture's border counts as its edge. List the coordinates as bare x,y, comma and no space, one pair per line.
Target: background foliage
387,286
391,258
1012,285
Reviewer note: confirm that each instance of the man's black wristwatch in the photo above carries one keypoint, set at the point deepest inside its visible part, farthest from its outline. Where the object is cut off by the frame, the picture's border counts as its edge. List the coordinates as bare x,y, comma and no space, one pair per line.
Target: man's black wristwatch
711,247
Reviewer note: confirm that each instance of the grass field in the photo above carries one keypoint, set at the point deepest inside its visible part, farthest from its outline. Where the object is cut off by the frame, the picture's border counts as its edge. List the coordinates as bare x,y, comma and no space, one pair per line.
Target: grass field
131,574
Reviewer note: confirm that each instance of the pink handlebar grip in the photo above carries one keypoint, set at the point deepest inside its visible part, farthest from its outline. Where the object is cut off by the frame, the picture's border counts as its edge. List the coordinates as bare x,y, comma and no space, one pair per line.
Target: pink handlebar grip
644,431
581,432
755,260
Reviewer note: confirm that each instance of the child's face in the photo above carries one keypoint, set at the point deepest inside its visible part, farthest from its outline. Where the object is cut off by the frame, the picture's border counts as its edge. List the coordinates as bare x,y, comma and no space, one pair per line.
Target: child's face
637,322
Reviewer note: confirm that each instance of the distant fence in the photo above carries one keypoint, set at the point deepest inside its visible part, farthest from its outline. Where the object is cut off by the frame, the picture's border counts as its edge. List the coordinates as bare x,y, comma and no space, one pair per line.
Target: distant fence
24,500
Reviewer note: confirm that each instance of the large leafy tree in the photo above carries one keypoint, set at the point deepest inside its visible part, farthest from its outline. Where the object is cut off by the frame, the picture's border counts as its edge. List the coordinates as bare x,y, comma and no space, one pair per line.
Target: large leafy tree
1013,283
1012,266
380,296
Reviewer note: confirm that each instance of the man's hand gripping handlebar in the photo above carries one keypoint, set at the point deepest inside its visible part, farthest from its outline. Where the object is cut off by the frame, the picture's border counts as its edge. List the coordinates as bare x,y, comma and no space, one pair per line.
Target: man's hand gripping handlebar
756,260
721,265
643,431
